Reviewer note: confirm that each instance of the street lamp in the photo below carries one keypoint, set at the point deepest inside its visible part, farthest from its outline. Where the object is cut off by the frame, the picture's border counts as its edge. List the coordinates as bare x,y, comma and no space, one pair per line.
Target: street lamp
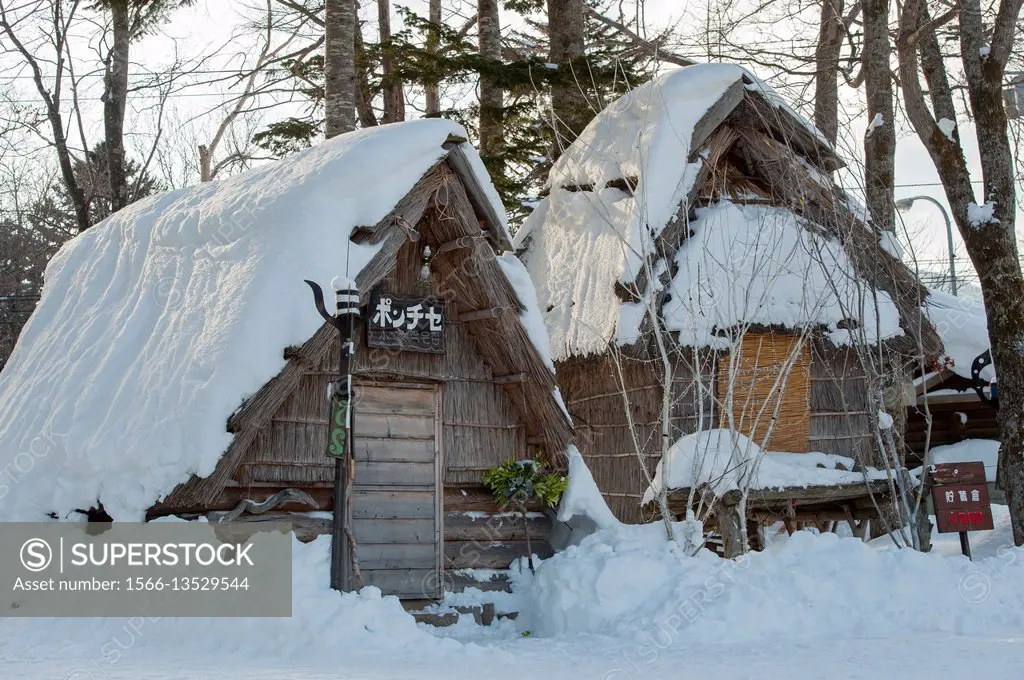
905,204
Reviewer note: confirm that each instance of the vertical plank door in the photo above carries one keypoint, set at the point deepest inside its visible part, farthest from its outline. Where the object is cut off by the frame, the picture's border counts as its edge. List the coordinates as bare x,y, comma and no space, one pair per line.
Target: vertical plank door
396,498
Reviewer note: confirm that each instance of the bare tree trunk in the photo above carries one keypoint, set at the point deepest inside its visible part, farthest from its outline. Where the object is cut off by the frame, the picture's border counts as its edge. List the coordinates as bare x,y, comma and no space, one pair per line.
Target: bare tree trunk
339,67
115,96
988,232
394,90
431,89
569,110
826,76
492,134
880,138
364,98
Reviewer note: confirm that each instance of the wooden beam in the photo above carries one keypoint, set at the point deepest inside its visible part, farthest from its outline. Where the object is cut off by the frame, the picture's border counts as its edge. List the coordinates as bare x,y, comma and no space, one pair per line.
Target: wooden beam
478,198
479,314
514,378
459,243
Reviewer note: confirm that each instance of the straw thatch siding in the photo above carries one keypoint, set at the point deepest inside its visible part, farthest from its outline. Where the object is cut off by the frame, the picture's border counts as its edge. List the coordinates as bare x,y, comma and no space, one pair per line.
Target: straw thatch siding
758,387
597,401
426,425
840,423
823,408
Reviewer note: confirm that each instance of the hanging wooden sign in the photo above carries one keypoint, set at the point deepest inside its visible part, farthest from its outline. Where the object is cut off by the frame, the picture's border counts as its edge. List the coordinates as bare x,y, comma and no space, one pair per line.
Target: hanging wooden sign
403,323
338,444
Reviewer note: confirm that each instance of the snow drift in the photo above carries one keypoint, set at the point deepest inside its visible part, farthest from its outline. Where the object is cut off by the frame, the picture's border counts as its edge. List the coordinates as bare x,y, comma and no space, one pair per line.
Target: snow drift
323,623
625,581
156,324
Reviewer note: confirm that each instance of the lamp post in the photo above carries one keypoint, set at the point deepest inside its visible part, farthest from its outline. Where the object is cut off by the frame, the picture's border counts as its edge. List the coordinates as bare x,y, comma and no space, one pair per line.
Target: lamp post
905,204
340,421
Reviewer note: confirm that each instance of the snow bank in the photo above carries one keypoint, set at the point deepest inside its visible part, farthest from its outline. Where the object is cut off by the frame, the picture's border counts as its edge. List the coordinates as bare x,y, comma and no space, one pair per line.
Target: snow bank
726,460
969,451
157,323
963,328
757,264
627,582
323,623
582,497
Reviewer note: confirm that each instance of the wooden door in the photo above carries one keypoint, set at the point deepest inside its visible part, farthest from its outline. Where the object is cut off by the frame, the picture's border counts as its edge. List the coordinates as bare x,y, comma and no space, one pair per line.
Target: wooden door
396,503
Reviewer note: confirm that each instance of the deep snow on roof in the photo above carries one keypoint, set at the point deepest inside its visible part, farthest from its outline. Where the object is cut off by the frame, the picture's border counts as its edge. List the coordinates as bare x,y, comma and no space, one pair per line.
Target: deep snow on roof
963,327
157,323
749,264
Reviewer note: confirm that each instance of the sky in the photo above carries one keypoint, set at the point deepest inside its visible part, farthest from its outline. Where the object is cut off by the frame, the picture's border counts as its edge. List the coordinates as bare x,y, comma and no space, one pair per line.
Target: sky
208,26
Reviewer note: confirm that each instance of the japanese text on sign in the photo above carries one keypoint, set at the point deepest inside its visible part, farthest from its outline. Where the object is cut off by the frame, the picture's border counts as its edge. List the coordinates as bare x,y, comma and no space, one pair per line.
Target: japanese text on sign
404,323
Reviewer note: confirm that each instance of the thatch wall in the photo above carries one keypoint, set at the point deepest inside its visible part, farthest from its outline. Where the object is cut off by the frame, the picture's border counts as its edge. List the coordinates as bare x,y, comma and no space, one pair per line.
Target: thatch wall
828,386
840,422
597,400
490,394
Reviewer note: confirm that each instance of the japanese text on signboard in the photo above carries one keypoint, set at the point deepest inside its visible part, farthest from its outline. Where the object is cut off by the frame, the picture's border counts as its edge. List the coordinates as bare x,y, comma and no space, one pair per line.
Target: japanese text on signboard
960,495
405,323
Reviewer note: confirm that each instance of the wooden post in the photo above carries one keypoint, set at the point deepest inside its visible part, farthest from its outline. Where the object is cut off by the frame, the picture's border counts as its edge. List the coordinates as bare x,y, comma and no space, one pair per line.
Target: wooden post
965,545
727,518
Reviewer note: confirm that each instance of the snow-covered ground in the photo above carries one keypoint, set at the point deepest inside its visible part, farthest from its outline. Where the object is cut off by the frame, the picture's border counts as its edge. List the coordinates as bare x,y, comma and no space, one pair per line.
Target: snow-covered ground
620,606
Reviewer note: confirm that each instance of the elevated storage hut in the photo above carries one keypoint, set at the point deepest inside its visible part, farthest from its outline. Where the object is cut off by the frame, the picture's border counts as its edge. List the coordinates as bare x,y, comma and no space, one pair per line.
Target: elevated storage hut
200,383
696,220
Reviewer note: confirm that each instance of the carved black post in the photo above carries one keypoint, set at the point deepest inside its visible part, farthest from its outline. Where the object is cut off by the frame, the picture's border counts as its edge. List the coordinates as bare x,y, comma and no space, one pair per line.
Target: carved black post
339,443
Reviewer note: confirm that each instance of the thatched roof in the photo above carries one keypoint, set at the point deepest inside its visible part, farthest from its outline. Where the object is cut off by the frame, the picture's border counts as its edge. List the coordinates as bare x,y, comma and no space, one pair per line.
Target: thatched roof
161,335
703,195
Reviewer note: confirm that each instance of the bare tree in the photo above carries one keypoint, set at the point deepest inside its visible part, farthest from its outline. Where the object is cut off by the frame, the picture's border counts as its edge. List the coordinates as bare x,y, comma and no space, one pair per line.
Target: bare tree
394,91
56,18
492,133
569,109
880,138
340,25
986,226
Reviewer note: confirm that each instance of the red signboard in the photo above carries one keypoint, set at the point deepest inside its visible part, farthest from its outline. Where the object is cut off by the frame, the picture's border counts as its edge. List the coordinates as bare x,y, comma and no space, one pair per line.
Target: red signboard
961,499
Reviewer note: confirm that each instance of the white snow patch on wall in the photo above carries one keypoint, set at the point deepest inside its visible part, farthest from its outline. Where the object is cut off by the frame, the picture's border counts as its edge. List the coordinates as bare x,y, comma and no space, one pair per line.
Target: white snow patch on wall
155,324
582,497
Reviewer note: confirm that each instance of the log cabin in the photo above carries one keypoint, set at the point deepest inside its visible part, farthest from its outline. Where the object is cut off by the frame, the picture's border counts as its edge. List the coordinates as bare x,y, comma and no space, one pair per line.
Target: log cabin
211,399
695,259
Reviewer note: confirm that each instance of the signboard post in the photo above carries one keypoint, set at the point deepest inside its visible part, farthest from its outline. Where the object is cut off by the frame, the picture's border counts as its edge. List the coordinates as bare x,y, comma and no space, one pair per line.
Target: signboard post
405,323
960,495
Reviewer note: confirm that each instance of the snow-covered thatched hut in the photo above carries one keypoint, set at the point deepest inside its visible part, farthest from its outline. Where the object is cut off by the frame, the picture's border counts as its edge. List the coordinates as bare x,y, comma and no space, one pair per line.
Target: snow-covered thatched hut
697,219
176,364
